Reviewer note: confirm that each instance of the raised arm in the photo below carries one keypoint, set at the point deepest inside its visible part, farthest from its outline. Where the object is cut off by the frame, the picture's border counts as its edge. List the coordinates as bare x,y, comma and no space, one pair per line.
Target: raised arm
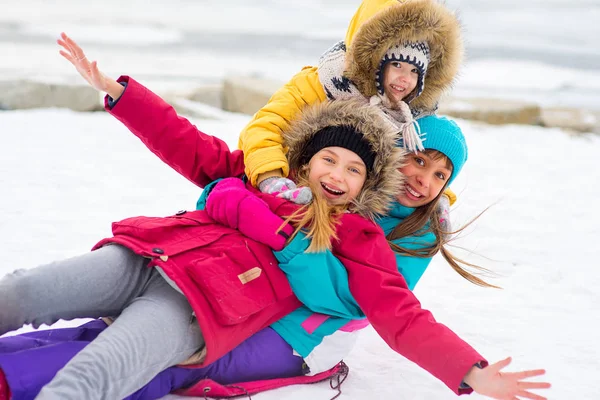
199,157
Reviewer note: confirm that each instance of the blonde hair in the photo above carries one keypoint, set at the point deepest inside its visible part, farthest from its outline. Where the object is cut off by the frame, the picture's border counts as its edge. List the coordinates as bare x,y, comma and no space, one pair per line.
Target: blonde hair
415,224
319,221
318,218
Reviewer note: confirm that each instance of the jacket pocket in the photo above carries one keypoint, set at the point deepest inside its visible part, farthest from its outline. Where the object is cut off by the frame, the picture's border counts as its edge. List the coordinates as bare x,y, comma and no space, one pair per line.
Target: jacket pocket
234,282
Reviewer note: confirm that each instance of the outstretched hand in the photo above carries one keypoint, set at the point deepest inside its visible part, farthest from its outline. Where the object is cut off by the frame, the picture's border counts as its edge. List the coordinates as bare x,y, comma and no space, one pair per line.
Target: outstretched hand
491,382
88,70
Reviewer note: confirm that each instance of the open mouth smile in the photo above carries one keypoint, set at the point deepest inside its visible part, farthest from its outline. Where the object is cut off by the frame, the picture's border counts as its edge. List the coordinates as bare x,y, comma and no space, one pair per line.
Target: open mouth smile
399,89
412,193
331,191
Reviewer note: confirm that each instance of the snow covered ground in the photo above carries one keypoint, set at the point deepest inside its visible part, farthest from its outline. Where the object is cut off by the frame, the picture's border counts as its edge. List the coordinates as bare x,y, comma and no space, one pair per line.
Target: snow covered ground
66,176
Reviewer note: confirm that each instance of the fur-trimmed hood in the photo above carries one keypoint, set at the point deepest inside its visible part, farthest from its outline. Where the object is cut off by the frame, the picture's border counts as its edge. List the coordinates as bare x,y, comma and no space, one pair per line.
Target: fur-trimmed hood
378,25
385,181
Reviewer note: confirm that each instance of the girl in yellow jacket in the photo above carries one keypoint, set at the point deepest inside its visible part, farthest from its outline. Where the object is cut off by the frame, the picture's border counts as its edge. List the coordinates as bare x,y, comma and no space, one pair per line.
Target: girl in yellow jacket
401,55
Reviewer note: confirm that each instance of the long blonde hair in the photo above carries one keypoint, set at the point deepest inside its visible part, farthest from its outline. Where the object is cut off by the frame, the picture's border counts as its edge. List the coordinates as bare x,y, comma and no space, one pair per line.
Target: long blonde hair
319,221
318,218
415,224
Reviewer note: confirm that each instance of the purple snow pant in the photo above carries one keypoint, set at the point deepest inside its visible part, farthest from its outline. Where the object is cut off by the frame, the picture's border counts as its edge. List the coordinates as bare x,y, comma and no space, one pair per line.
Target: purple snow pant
31,360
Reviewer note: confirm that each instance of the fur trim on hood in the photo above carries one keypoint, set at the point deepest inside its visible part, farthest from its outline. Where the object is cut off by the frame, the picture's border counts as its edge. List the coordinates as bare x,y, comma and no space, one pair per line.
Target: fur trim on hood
410,21
383,183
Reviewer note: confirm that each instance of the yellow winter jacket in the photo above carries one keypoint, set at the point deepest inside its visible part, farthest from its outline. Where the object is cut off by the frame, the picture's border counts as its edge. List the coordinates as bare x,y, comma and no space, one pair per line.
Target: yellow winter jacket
385,22
261,139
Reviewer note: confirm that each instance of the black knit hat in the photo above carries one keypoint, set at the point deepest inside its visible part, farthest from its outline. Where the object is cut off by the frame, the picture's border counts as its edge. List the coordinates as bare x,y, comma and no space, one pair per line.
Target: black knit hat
340,136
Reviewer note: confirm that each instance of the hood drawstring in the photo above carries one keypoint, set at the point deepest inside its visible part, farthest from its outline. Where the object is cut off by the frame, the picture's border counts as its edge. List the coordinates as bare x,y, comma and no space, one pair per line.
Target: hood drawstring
245,392
340,376
411,136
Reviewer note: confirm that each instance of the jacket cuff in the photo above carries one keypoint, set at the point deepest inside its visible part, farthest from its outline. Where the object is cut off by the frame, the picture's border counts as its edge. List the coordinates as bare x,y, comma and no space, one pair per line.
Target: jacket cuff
464,388
265,160
297,245
110,102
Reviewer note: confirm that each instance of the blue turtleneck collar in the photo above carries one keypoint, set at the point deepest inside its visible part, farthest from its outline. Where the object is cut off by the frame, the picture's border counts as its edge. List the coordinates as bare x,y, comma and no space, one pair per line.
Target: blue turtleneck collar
394,217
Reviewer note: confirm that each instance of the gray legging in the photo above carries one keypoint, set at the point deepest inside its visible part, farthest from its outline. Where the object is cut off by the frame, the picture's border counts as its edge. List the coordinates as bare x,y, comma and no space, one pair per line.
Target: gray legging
155,328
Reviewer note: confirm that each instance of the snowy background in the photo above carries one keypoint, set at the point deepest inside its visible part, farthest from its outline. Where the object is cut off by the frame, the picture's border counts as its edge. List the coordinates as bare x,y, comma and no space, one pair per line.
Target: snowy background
541,50
65,176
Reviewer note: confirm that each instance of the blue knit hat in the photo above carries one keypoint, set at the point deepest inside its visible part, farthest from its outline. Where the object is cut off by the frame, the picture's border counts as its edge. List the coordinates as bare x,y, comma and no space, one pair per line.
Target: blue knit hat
445,136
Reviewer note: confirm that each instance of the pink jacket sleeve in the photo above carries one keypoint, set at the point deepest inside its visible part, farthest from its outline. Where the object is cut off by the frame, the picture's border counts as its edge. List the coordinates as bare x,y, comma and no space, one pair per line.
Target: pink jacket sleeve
199,157
392,308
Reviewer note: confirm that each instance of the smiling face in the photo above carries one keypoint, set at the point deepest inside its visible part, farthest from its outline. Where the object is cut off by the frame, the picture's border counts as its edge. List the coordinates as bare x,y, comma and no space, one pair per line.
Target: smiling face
339,173
426,174
399,80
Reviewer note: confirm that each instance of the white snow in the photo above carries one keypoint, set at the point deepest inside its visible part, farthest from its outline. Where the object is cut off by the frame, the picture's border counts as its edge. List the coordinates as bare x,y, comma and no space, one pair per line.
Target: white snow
66,176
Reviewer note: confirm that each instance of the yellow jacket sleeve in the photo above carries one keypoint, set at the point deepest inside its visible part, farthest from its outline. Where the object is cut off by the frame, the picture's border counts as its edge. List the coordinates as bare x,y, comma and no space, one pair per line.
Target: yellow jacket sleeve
261,139
451,196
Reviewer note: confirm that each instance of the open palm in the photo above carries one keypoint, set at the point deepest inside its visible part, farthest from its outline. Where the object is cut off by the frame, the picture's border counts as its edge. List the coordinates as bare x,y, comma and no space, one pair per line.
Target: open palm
88,70
491,382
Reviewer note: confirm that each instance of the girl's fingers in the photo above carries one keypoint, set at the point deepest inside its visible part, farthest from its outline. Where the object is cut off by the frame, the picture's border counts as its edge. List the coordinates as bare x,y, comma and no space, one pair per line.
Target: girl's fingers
65,49
77,50
528,395
67,56
534,385
66,42
496,367
68,49
97,76
62,44
525,374
94,71
94,68
73,47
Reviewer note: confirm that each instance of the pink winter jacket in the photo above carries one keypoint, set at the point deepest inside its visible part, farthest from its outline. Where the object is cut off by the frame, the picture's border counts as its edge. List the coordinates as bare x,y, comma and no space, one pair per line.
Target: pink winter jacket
234,284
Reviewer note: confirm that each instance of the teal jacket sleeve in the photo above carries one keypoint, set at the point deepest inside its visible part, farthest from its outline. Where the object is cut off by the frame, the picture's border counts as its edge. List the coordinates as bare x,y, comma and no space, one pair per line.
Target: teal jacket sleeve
201,203
319,280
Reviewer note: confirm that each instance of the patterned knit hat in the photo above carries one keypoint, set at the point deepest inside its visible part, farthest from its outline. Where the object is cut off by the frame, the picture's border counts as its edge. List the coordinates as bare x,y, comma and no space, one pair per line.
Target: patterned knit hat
341,136
445,136
414,53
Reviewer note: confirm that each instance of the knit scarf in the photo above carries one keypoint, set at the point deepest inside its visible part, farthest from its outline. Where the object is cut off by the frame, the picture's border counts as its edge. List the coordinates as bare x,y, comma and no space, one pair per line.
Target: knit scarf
338,87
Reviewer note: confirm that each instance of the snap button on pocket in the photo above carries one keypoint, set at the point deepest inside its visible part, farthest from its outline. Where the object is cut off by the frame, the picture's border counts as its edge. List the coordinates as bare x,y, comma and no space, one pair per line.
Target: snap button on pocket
158,251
